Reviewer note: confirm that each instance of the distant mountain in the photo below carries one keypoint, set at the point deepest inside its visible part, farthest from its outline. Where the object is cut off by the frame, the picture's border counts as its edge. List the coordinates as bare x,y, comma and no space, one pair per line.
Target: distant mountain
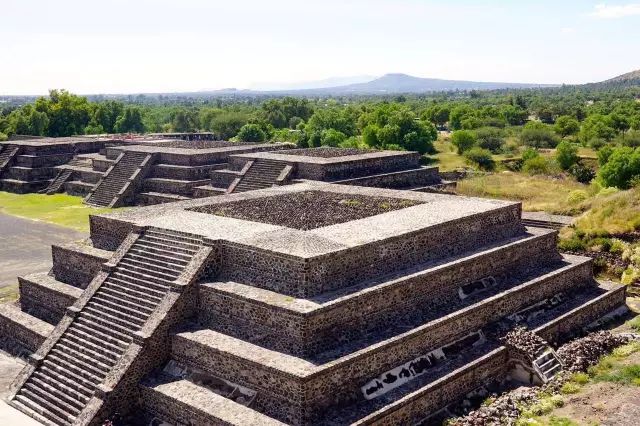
318,84
403,83
632,77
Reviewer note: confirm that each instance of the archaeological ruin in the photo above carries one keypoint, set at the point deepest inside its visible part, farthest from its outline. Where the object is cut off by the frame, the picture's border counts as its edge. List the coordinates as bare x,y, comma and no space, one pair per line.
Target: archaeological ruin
160,168
312,303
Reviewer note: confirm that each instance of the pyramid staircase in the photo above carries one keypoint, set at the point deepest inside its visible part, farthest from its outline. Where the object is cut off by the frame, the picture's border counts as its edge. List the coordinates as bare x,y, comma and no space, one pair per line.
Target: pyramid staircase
112,189
261,174
547,364
7,153
56,184
95,340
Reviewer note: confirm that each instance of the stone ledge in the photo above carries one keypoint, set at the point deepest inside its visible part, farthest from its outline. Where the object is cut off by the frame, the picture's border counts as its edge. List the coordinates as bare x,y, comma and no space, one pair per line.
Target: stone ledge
25,329
185,402
45,297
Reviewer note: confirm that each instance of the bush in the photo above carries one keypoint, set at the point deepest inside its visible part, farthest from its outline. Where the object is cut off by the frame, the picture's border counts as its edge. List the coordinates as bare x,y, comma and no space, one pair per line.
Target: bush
536,166
582,173
577,196
539,136
566,126
530,153
621,167
251,133
490,138
573,244
332,137
566,155
481,157
3,137
463,140
570,388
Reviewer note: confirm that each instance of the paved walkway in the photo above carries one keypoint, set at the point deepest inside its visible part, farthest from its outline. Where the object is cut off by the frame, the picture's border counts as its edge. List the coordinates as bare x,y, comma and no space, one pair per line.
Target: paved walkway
25,246
9,368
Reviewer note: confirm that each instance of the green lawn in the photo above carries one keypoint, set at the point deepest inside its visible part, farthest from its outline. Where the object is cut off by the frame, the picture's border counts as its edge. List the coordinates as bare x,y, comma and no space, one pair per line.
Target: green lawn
60,209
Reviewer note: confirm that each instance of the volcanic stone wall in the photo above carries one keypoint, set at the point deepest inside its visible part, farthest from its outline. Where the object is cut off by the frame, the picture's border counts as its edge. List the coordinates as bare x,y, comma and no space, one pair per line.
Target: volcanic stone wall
307,333
76,267
404,179
306,278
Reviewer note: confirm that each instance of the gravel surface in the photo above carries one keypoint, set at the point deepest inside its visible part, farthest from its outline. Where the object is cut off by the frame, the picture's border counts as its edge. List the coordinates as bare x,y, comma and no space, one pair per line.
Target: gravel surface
327,152
308,209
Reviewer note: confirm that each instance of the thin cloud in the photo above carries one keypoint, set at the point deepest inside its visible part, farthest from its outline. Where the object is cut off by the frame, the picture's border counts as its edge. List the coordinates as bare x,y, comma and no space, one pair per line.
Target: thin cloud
567,30
604,11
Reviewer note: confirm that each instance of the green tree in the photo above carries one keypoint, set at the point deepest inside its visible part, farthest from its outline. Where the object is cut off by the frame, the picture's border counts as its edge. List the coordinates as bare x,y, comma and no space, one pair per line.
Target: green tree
490,138
68,114
227,124
332,137
566,155
458,114
105,115
566,126
538,135
463,140
597,126
130,121
621,168
251,133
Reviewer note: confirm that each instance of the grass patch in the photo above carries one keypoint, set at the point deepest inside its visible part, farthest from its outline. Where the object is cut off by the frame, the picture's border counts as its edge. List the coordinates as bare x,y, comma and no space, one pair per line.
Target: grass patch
613,368
570,388
59,209
537,193
611,213
447,157
9,293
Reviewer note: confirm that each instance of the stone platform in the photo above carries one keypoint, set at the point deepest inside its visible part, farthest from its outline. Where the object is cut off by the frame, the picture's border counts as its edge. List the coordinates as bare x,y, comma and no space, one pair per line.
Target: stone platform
379,307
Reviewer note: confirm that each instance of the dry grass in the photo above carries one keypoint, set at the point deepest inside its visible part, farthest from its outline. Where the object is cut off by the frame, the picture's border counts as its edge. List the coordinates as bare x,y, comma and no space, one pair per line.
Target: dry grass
616,213
537,193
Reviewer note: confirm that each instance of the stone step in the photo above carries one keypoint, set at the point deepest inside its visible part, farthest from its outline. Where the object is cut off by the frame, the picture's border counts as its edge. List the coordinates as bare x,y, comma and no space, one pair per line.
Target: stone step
152,290
99,355
80,360
108,321
161,249
90,322
166,268
69,401
104,303
96,333
27,405
138,275
65,380
127,293
168,239
151,198
110,300
79,337
120,318
67,366
155,259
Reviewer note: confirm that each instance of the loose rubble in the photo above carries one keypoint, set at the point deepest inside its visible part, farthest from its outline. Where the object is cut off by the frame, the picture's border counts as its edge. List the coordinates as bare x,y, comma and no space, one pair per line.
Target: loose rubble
525,341
583,353
576,356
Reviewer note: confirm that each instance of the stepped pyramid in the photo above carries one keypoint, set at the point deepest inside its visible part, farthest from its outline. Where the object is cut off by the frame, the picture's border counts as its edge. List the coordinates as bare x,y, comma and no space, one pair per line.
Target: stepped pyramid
307,304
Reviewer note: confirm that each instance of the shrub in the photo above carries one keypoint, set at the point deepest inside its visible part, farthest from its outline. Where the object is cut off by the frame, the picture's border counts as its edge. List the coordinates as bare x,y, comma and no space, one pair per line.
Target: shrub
580,378
3,137
570,388
251,133
463,140
620,168
582,173
573,244
481,157
536,166
332,137
566,126
539,136
490,138
566,155
530,153
577,196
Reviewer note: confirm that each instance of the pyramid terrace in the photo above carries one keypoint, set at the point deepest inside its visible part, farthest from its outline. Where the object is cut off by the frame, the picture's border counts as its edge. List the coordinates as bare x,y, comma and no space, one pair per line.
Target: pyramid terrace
379,307
154,169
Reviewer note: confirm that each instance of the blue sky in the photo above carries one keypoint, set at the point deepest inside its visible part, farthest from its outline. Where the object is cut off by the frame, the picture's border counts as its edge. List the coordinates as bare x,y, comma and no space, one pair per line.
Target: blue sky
123,46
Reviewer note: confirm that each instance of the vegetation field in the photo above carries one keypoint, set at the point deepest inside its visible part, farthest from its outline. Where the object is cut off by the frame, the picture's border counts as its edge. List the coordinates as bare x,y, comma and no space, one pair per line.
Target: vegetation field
537,193
58,209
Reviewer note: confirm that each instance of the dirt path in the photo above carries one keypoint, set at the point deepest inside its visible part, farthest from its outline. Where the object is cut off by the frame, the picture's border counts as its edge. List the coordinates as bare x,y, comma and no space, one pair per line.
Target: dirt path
25,246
